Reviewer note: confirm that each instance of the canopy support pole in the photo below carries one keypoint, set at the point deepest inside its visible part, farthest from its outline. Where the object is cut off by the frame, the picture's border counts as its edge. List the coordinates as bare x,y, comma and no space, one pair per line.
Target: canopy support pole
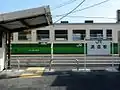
9,53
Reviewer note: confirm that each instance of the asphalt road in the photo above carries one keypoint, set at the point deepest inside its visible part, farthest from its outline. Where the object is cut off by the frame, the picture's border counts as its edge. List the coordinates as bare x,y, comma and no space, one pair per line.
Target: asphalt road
65,81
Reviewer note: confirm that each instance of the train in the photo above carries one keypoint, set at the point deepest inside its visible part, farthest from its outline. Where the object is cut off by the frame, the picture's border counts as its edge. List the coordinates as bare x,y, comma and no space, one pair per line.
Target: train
68,38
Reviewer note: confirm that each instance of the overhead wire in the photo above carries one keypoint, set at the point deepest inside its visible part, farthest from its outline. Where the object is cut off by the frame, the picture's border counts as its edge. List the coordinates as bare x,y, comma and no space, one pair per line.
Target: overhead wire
85,8
92,6
64,4
70,11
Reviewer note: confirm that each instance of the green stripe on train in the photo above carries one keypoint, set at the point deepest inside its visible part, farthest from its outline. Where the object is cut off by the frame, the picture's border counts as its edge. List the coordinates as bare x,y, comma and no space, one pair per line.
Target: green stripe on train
46,49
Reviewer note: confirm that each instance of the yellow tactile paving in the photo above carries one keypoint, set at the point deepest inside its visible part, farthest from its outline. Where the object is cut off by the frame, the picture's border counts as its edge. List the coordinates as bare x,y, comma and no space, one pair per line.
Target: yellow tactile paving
36,68
31,72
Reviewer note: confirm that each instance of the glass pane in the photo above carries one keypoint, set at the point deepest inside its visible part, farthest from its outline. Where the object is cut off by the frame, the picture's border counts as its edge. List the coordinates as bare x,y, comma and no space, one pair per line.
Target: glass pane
109,34
61,35
78,34
95,34
42,34
24,35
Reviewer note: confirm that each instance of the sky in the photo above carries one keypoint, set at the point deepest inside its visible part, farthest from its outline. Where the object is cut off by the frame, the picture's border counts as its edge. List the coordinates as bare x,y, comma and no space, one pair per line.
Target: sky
106,10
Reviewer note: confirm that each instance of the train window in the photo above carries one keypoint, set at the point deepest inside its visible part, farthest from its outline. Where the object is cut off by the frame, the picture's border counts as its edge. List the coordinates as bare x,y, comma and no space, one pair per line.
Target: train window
79,34
95,34
42,34
109,34
24,35
0,39
61,35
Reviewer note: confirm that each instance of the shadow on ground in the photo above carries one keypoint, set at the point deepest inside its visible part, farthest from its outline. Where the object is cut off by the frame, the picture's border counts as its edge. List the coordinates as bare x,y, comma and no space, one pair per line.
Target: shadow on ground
4,76
88,81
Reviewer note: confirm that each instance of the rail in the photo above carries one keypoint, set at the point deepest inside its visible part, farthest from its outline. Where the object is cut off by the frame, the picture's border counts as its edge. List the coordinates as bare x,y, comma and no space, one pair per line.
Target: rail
76,61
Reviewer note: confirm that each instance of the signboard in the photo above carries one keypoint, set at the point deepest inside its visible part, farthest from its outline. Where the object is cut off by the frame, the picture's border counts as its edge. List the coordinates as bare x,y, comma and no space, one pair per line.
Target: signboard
98,47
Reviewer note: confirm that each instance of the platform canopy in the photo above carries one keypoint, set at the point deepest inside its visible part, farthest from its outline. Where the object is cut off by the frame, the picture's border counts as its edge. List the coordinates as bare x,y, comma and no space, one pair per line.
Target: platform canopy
25,19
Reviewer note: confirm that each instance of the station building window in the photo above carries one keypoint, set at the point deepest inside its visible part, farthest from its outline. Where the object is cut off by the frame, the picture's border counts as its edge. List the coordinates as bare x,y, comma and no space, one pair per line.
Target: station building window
109,34
61,35
79,35
96,34
24,35
42,34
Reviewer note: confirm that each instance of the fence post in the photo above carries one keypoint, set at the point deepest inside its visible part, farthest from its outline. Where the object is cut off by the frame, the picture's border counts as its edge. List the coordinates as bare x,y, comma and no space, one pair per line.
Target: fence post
112,54
85,54
51,50
50,64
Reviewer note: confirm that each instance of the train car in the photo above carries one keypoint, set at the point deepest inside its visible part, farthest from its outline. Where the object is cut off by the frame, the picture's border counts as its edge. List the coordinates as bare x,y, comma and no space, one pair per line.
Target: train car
68,38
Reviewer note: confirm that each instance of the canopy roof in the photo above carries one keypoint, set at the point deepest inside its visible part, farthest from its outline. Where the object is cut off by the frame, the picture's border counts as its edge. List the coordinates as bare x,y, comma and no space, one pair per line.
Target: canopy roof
25,19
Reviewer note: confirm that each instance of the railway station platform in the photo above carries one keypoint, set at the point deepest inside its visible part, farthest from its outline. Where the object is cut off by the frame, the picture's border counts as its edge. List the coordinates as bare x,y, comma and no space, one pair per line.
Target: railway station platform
33,72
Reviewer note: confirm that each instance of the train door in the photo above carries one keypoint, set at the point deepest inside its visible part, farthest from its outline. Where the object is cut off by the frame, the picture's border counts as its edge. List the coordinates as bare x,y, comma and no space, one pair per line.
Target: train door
96,47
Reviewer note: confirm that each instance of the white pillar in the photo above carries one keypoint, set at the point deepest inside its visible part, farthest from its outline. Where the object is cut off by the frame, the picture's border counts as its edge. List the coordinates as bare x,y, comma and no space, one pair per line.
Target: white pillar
52,34
114,35
15,37
104,34
33,35
70,35
87,34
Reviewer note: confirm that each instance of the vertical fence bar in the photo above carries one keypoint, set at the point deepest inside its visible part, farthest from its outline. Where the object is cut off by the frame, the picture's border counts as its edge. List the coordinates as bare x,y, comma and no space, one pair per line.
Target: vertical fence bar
77,64
84,54
51,50
50,64
18,64
112,54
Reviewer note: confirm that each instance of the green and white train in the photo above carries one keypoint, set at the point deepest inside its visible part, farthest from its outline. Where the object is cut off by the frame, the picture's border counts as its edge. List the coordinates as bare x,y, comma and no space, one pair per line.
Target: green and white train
69,38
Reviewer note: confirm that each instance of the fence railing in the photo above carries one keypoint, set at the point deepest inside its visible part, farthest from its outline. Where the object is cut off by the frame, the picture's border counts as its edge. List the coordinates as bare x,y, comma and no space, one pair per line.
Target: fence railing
76,61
